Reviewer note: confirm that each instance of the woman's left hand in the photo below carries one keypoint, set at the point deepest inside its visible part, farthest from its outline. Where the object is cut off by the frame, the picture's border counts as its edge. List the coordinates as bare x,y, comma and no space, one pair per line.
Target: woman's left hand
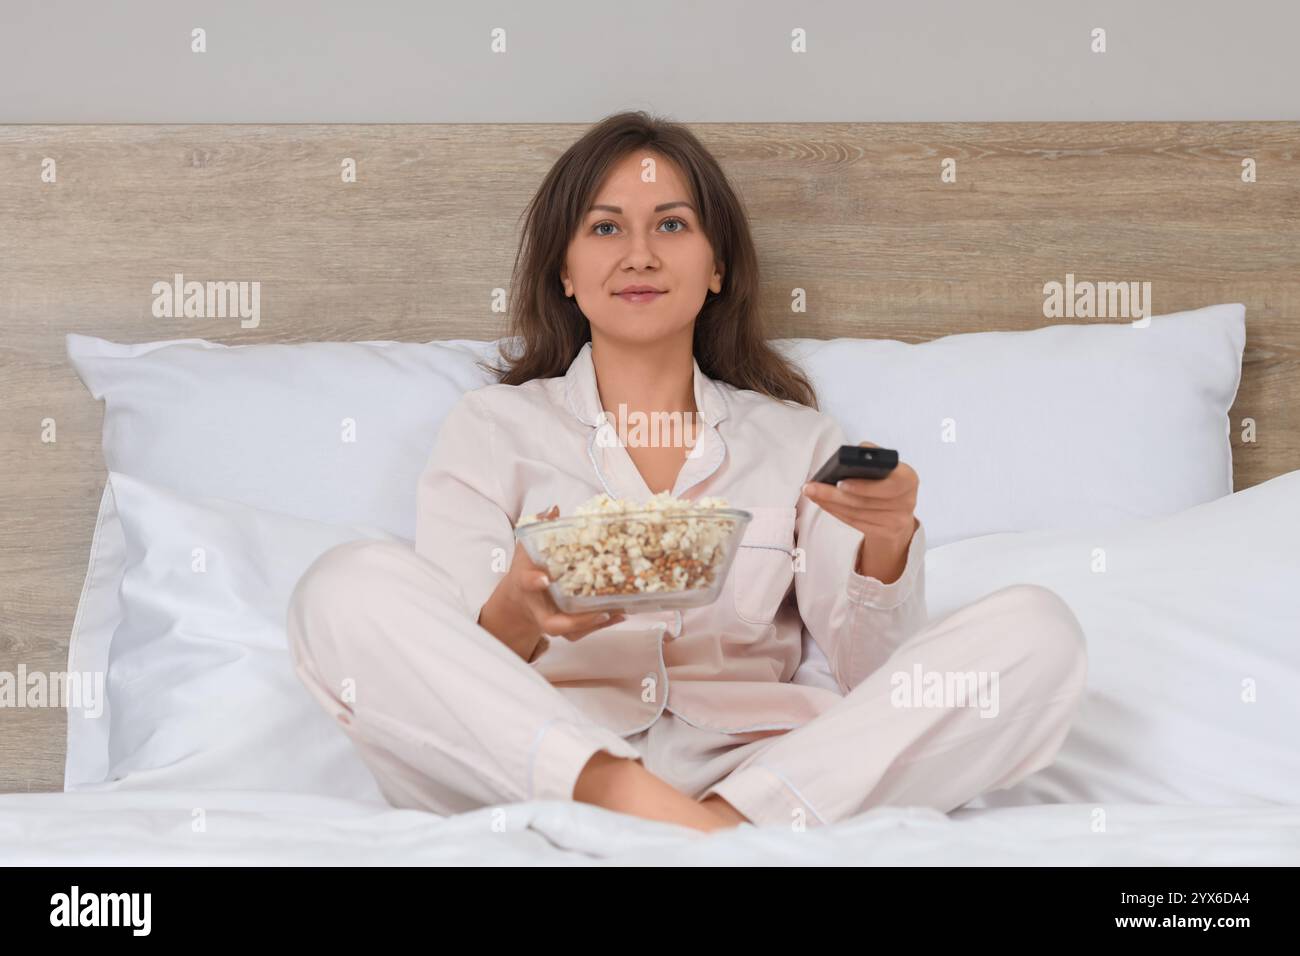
882,509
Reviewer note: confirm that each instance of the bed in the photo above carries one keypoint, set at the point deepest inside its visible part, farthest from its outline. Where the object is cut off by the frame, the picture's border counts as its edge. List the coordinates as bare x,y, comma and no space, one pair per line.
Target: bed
1169,537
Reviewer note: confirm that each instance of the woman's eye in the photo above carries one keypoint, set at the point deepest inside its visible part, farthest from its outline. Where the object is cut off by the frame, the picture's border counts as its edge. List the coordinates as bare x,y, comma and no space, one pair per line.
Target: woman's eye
676,219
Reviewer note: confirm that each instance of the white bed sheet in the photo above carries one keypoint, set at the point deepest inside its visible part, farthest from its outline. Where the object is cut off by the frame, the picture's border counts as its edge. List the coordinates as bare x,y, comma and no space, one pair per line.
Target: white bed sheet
244,827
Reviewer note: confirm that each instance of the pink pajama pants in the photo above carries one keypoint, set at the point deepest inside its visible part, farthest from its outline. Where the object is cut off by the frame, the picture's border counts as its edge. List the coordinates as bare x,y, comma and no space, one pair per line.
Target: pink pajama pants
448,719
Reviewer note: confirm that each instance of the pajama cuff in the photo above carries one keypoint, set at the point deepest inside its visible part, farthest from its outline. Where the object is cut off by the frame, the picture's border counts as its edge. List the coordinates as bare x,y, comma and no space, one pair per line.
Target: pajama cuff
764,797
560,752
874,593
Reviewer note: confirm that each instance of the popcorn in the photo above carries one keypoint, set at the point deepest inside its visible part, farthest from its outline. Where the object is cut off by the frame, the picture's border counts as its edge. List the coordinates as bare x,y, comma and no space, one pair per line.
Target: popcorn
664,545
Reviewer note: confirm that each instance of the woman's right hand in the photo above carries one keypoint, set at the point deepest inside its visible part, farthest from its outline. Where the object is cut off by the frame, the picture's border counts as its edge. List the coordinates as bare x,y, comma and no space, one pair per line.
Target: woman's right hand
521,608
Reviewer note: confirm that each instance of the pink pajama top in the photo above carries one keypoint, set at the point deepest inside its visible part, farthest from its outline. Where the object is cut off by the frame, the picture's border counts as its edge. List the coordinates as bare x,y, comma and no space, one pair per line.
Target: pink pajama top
505,451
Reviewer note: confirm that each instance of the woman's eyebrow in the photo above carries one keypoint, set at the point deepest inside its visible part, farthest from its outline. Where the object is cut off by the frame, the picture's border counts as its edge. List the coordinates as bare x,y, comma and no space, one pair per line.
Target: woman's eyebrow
659,208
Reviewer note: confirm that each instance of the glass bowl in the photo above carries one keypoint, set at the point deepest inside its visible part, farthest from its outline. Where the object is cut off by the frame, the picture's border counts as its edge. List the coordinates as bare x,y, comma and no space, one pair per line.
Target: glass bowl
636,561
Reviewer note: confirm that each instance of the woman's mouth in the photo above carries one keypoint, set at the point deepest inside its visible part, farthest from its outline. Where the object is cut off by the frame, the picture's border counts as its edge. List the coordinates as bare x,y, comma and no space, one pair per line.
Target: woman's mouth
648,296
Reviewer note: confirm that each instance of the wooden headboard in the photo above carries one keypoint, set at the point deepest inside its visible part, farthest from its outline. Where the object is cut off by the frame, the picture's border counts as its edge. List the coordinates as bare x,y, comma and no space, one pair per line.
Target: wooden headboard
858,215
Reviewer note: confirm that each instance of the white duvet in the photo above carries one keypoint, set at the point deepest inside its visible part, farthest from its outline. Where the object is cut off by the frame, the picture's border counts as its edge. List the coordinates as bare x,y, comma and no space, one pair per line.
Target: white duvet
172,827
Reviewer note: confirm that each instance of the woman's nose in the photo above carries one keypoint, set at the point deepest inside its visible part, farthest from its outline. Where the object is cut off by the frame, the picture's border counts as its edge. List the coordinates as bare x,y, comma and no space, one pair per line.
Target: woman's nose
639,252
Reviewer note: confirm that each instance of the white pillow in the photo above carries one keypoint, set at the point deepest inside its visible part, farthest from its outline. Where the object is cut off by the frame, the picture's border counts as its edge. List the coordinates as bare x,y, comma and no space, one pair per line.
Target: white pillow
1059,427
1194,613
260,424
268,424
201,687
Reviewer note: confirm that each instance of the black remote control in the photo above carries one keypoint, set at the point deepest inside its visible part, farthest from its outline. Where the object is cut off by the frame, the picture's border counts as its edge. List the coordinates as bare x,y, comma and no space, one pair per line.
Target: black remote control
857,461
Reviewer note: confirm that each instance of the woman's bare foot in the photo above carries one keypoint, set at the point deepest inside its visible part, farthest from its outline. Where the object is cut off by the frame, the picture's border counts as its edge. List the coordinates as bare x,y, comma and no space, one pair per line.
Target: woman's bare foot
624,785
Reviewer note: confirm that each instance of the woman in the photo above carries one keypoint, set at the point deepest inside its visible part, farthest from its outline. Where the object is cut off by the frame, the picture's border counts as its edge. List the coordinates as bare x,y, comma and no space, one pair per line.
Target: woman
638,296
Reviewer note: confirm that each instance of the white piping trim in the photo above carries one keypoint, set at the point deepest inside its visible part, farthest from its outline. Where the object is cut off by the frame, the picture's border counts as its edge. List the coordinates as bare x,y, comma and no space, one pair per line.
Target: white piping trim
663,669
591,453
793,789
532,752
742,730
773,547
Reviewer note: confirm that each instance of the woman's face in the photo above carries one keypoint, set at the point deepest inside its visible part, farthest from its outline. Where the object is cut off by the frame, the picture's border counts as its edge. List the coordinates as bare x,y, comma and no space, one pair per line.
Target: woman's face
641,233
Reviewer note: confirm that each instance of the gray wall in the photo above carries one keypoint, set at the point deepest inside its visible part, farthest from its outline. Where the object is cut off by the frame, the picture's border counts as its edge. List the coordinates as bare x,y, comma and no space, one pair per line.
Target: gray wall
380,61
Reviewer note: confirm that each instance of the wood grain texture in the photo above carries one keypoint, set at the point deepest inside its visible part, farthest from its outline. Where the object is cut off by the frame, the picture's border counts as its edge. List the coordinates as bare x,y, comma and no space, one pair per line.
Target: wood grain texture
855,214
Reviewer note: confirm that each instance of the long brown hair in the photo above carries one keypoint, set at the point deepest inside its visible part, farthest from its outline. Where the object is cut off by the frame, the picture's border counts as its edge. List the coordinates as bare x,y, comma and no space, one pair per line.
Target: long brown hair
729,344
